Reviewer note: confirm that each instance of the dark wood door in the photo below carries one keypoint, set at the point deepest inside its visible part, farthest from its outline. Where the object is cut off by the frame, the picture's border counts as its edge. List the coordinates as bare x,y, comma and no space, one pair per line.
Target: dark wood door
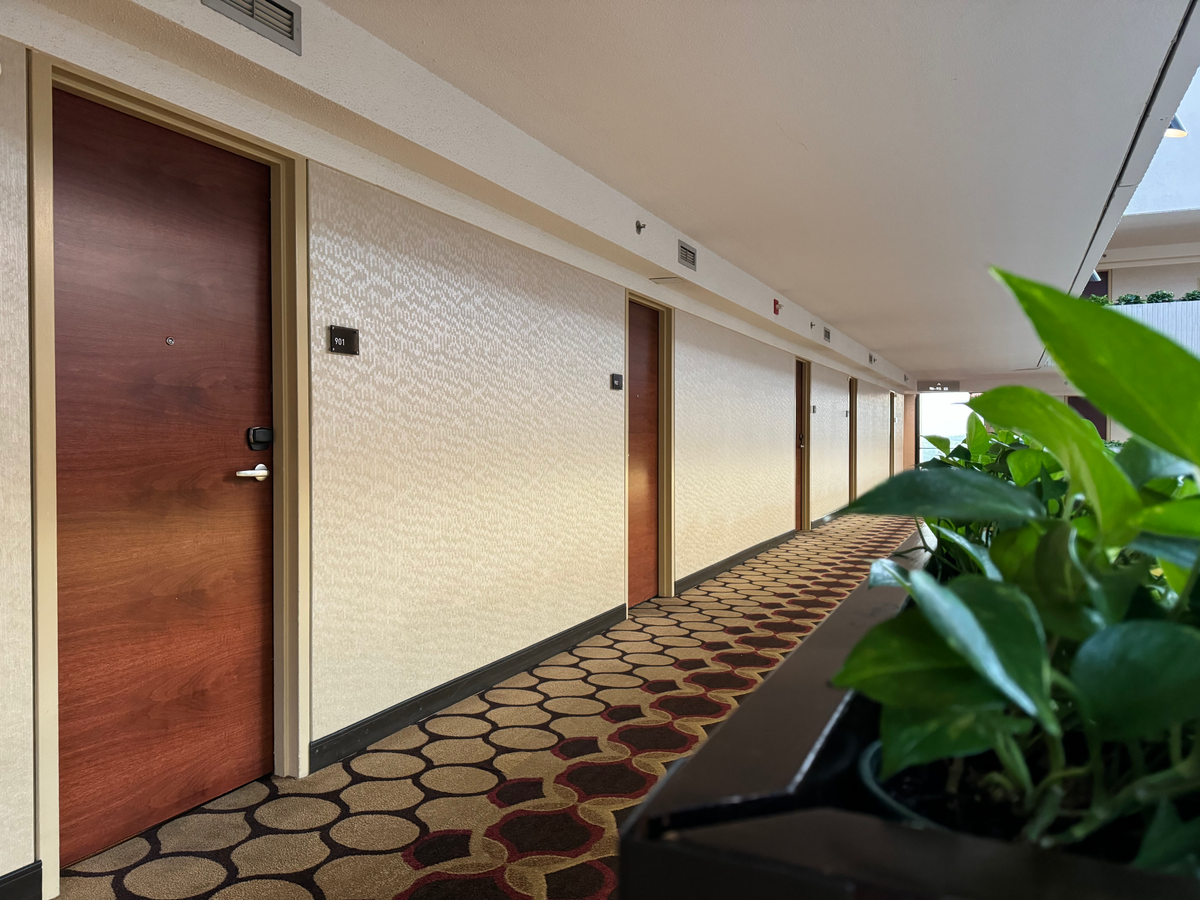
163,361
801,442
852,413
1088,410
892,434
643,452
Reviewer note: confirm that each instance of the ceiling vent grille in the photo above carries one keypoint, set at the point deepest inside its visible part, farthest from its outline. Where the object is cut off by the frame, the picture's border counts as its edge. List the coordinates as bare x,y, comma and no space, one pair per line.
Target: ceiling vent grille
687,255
278,20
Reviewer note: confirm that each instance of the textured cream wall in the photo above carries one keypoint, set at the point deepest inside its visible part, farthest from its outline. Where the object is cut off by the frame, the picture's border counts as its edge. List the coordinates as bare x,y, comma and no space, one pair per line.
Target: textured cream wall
898,449
829,446
1178,279
874,435
735,462
468,467
16,579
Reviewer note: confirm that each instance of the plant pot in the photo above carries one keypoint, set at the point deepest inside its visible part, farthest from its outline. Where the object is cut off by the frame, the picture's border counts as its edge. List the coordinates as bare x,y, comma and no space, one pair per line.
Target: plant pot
868,772
773,806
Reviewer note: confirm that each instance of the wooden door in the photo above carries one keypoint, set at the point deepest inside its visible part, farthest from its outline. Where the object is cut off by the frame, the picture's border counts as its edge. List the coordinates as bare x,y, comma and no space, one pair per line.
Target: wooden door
852,413
163,361
1088,410
801,442
892,434
644,326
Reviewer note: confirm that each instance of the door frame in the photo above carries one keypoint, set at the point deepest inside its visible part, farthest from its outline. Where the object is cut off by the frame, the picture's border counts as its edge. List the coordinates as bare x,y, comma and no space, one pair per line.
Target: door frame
803,425
666,442
290,401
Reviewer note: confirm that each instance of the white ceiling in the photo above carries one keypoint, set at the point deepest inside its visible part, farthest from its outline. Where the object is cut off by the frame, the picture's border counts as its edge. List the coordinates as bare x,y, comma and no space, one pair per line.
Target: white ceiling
868,160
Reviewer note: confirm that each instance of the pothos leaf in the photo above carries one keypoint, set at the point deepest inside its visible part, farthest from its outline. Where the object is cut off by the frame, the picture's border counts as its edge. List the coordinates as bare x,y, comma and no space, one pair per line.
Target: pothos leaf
996,629
977,552
1074,442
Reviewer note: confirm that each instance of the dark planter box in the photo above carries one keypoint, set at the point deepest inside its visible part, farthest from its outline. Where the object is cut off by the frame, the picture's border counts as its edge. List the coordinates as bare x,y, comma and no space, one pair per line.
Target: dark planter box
771,807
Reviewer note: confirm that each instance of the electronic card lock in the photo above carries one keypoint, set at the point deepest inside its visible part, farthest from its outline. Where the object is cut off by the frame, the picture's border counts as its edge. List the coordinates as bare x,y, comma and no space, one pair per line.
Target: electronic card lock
259,438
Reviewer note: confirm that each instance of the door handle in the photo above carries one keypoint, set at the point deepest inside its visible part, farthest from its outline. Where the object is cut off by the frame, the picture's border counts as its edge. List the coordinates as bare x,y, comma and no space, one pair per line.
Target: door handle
258,473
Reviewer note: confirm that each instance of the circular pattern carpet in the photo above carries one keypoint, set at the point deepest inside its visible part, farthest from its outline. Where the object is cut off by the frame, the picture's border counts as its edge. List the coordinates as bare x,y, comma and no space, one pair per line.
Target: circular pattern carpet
517,792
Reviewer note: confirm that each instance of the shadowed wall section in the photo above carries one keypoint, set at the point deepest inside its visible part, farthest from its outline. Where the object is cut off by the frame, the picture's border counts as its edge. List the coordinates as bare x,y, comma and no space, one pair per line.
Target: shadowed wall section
735,458
468,466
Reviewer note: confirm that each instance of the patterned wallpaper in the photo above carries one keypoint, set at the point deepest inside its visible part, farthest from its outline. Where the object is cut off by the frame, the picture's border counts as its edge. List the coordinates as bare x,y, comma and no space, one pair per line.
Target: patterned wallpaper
735,461
874,435
468,466
829,442
16,577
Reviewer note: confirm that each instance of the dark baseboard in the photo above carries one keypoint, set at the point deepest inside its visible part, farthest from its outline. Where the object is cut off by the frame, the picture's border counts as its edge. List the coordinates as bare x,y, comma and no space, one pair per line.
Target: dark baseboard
354,738
737,559
24,883
825,520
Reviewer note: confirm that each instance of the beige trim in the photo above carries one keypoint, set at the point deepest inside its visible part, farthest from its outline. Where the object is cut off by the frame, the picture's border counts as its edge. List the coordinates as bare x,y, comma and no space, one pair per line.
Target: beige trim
45,499
666,439
291,420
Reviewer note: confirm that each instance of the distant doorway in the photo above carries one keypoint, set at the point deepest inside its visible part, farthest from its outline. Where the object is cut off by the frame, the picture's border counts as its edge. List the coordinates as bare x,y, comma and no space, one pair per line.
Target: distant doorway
644,437
892,434
802,423
853,414
1085,408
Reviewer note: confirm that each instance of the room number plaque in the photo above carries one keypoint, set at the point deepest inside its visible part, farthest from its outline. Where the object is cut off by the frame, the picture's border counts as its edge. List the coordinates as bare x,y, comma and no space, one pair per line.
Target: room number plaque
343,340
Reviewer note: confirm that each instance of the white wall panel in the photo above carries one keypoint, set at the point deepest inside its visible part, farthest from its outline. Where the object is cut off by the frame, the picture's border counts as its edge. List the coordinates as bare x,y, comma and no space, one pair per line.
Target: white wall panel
874,436
1180,320
898,443
735,458
468,467
16,578
829,442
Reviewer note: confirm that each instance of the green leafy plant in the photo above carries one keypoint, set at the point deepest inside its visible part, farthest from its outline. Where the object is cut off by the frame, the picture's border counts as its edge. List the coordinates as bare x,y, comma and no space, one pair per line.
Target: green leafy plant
1052,639
1191,295
1160,297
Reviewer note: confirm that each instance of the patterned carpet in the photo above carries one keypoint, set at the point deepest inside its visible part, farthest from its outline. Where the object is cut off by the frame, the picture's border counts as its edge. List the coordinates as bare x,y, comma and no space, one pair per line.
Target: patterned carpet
517,792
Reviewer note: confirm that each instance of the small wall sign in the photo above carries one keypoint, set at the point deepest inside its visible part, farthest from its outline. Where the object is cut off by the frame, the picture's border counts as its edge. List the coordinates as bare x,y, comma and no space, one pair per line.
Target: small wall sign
931,386
343,340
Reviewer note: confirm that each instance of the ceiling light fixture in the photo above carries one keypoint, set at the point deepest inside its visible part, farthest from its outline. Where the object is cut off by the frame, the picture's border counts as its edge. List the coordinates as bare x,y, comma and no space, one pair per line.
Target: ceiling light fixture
1176,129
666,279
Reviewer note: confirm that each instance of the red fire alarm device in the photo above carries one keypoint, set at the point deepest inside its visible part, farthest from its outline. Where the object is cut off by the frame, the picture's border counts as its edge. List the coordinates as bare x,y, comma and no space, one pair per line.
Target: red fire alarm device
776,302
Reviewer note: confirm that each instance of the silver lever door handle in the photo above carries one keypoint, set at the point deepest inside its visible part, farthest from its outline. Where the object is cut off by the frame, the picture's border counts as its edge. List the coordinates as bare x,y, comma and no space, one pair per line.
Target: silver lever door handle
258,473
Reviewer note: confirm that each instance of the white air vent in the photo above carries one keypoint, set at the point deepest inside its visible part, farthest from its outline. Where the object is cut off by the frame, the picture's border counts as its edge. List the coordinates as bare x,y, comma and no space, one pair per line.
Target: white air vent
278,20
687,255
828,336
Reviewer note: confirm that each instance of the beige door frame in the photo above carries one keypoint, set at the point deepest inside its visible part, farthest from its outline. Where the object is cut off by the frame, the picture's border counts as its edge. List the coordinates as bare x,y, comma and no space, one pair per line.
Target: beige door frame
290,387
666,442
